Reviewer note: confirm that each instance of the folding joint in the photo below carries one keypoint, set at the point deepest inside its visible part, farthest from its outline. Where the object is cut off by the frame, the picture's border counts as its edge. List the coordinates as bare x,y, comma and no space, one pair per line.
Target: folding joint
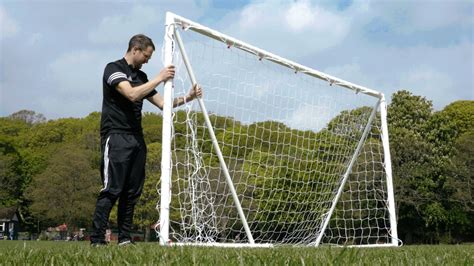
185,26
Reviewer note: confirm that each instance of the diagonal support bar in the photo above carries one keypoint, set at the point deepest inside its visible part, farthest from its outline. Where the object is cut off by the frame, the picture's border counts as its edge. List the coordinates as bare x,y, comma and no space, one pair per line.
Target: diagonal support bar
346,174
214,141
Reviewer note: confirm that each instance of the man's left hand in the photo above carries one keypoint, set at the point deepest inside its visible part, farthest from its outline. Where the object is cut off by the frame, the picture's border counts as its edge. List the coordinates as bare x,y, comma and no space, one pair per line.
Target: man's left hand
196,91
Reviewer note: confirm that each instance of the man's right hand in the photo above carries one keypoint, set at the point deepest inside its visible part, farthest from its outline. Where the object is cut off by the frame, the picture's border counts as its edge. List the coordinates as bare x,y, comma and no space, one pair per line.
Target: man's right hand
166,73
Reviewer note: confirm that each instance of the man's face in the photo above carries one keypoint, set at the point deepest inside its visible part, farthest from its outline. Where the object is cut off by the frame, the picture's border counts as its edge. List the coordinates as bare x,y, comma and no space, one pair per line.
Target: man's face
142,56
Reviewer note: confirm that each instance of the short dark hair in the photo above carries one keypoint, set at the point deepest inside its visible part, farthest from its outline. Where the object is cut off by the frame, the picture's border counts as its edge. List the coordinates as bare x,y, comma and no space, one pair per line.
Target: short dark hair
141,41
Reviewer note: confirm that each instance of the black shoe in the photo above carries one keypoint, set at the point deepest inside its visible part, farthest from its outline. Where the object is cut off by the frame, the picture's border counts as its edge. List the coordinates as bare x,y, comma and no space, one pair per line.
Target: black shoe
98,244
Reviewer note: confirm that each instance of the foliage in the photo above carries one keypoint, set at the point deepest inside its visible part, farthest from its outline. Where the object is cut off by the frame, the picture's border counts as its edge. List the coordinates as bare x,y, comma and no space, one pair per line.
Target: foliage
432,172
10,177
146,213
28,116
408,110
65,190
48,166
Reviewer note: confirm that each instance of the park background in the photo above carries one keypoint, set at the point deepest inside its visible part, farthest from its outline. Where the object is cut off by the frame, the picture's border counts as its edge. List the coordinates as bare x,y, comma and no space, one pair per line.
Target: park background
51,92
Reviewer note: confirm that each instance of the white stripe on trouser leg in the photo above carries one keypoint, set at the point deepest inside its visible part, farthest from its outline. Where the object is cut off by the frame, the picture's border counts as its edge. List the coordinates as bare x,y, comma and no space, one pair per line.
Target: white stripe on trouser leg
106,164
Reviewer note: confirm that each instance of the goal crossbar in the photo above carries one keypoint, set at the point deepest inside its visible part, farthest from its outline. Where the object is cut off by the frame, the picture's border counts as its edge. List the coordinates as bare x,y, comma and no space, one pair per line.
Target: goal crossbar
187,24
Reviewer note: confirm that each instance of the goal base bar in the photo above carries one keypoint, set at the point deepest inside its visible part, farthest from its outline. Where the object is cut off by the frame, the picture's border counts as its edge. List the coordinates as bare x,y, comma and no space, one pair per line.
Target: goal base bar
243,245
223,245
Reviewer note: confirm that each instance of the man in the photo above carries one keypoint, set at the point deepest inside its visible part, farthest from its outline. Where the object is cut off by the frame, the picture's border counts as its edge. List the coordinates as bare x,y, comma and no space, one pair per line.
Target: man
123,148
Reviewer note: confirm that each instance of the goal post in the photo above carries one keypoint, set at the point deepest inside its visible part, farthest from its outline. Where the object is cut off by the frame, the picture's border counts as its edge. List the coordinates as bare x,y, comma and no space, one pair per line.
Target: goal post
274,153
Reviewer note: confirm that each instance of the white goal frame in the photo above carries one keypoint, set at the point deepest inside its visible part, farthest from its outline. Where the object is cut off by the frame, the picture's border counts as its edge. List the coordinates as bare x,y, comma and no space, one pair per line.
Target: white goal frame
173,39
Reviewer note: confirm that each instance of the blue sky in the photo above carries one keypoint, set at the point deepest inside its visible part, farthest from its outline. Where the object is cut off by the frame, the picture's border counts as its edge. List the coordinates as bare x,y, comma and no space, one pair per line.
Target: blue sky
53,52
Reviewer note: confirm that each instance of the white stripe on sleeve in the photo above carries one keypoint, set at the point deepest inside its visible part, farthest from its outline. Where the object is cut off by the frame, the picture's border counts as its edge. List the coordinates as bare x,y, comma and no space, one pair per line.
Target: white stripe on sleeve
115,76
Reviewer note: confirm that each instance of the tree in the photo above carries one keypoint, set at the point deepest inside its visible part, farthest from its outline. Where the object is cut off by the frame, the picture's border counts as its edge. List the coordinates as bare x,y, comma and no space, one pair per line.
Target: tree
452,131
145,211
412,161
461,188
10,176
65,191
409,111
464,168
13,171
445,126
48,166
431,173
28,116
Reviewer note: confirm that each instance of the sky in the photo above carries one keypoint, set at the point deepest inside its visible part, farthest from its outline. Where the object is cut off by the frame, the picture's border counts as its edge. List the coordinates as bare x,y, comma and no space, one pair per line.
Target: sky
52,52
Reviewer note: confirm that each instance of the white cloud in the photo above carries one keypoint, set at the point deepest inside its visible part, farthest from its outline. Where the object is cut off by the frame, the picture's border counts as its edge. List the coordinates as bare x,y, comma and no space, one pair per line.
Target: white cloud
300,16
291,29
304,117
141,19
437,63
73,69
117,28
441,74
76,79
8,26
35,38
426,77
409,17
354,73
427,81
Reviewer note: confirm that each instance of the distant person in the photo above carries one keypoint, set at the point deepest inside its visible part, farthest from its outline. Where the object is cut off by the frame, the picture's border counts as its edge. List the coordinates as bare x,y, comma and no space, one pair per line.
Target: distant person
11,232
123,148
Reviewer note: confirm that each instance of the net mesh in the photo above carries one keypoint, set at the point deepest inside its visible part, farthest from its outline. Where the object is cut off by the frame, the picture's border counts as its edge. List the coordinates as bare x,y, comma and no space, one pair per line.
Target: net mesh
287,139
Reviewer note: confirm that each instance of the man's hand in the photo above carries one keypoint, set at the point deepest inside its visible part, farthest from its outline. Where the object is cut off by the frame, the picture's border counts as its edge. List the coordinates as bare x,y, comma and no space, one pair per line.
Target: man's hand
195,92
166,73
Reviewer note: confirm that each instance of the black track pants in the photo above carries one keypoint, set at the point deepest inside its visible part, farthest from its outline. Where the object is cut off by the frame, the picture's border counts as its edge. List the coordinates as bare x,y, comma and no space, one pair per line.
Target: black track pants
123,175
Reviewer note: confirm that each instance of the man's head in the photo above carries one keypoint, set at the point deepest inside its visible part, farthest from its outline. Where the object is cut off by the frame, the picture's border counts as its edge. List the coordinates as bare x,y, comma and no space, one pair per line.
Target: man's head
140,50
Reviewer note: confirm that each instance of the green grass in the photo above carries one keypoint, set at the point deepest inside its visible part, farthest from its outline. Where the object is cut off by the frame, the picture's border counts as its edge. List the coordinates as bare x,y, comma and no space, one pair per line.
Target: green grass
73,253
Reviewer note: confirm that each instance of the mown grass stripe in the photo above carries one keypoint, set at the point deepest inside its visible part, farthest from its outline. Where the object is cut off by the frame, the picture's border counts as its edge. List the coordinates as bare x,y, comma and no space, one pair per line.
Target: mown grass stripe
80,253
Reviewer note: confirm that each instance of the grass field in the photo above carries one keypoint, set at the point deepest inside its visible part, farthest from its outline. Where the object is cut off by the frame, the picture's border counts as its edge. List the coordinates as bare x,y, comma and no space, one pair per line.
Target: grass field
69,253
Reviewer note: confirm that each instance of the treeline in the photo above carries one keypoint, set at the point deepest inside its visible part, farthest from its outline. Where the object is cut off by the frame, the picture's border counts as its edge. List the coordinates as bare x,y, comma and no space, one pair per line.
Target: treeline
50,169
433,169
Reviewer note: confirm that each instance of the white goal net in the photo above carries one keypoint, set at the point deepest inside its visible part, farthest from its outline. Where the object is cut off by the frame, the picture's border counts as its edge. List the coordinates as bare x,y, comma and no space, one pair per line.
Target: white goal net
289,156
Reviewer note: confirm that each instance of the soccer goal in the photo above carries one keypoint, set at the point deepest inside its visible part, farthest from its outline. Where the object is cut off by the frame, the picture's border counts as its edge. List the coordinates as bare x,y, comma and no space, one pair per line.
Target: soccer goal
274,153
